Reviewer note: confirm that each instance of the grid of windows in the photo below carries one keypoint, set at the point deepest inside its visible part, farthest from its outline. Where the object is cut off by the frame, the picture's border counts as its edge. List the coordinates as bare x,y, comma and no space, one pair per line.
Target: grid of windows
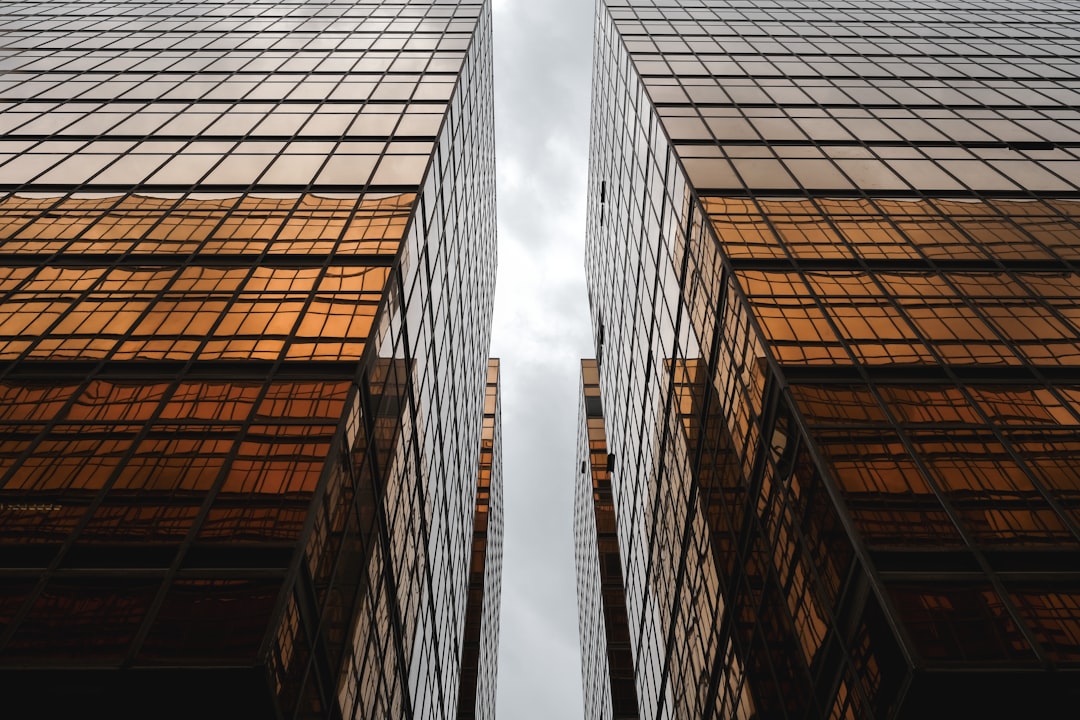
832,265
607,665
480,650
246,273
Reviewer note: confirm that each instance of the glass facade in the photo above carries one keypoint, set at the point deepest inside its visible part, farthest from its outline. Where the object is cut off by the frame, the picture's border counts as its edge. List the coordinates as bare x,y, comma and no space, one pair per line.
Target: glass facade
832,257
607,664
480,654
247,263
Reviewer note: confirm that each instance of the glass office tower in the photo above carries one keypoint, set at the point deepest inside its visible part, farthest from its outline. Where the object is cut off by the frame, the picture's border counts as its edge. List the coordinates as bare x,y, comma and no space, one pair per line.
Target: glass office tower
480,654
247,263
607,663
832,257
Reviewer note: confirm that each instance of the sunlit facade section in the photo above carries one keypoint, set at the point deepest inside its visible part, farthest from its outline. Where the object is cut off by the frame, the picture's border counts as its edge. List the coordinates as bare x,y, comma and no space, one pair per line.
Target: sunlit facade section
247,262
832,259
480,650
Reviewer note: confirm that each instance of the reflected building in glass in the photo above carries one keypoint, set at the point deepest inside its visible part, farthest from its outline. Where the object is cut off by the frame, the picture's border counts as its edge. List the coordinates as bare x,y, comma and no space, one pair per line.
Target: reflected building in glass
247,263
829,446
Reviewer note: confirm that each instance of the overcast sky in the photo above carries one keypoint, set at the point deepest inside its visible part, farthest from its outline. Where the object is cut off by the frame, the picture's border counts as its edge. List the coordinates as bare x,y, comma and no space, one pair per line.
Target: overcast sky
543,55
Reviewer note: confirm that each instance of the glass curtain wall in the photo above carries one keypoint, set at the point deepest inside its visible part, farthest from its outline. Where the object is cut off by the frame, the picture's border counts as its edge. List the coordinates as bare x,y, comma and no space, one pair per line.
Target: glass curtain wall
246,269
832,259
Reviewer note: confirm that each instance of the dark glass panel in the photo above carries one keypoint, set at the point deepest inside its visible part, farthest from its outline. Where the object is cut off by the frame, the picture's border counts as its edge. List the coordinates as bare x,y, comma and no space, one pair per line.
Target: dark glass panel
82,621
216,622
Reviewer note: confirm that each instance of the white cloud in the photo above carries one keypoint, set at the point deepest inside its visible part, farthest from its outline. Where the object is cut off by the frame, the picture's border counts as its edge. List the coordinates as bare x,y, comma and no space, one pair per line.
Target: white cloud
542,74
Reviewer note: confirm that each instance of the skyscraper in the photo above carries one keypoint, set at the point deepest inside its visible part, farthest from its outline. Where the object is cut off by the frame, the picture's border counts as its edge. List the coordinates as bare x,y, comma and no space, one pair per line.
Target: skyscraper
479,664
832,263
246,270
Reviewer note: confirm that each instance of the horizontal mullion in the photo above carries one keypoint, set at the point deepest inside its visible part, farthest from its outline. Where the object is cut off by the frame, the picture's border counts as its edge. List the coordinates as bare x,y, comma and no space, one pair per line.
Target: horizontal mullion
906,264
197,259
185,189
238,370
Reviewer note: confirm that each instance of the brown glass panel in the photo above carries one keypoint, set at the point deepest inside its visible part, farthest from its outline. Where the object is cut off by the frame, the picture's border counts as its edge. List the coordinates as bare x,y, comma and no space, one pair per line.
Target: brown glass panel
217,622
1054,617
83,621
959,624
20,402
890,501
303,224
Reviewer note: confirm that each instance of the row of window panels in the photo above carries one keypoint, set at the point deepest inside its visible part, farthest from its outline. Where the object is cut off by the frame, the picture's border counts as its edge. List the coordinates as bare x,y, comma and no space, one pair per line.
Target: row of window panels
665,23
996,501
900,210
877,170
152,527
855,126
190,401
80,460
877,45
897,237
114,490
181,163
138,291
847,67
983,290
222,87
212,119
303,9
330,328
231,61
330,28
798,10
953,334
969,623
1044,309
302,224
450,41
94,621
852,91
1004,406
311,228
191,282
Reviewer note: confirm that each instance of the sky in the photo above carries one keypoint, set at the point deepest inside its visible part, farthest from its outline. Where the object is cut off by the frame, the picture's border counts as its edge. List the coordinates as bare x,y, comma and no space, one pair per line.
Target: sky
543,58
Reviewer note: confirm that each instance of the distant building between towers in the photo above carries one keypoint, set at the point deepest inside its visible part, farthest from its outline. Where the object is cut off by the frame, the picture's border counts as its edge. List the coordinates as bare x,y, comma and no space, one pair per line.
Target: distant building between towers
829,454
249,432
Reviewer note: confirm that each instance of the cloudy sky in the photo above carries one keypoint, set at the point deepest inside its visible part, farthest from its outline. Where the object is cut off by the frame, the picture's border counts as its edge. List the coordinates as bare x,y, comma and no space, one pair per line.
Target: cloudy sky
543,55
